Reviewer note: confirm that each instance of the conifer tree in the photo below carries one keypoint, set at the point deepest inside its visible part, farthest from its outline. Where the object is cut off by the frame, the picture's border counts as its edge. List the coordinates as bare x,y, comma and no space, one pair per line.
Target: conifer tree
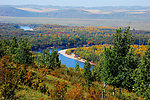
87,73
55,59
4,47
142,75
23,53
97,71
119,61
2,50
77,66
46,58
50,61
13,46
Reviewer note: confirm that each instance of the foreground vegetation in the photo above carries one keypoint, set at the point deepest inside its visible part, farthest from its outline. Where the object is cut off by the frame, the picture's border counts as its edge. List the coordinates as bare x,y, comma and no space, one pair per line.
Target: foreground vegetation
119,74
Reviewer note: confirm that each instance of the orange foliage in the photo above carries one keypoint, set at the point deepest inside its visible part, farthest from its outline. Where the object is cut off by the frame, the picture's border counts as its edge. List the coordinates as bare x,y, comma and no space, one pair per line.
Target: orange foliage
60,90
76,93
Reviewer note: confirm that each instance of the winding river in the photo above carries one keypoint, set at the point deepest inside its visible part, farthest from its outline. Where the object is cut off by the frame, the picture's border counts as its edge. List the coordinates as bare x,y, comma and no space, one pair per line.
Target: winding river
69,62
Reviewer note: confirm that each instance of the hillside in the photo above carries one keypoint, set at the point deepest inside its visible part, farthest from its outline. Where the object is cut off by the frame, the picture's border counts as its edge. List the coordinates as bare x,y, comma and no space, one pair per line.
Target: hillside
108,12
14,12
69,13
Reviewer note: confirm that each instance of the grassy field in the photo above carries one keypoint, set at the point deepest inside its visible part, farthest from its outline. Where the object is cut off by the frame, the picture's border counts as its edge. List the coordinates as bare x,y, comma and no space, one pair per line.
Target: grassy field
137,24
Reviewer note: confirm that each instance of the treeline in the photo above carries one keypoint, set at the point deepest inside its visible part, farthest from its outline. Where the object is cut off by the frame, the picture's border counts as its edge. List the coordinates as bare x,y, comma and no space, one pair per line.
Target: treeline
20,51
95,53
51,35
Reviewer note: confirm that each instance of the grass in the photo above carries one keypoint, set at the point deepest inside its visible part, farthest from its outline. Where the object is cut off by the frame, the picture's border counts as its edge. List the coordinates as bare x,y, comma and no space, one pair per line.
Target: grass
29,94
53,79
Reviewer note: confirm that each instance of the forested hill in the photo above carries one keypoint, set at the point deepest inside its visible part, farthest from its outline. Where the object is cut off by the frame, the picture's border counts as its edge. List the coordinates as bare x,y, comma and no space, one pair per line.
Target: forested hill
14,12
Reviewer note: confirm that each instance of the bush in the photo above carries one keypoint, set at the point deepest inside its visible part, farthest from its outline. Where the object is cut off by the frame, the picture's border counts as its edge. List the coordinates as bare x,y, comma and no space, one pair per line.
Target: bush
60,90
76,93
68,52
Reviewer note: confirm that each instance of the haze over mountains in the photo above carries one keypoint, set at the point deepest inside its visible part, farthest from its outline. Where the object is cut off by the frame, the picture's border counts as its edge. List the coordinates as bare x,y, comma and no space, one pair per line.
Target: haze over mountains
106,12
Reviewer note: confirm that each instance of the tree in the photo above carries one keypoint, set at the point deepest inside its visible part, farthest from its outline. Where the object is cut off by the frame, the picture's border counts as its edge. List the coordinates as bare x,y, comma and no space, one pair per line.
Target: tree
4,45
55,59
50,61
142,75
2,50
45,59
119,61
97,71
77,66
87,72
13,46
23,53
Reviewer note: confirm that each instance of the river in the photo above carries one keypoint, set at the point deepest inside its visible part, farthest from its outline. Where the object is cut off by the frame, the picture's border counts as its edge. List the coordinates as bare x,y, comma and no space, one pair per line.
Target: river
69,62
26,28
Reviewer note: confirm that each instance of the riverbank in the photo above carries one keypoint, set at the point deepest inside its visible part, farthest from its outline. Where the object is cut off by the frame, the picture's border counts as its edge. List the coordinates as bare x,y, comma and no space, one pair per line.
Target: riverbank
72,56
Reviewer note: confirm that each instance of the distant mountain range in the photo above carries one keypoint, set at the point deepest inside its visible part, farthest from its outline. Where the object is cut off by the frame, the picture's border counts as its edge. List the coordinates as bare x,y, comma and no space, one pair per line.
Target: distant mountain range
107,12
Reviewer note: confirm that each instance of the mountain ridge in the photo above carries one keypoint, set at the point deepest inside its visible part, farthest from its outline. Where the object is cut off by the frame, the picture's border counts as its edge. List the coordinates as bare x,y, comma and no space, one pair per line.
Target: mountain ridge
105,12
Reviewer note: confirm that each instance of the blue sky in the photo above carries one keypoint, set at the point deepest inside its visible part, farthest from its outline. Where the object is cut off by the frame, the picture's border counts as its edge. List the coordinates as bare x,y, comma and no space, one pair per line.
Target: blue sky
86,3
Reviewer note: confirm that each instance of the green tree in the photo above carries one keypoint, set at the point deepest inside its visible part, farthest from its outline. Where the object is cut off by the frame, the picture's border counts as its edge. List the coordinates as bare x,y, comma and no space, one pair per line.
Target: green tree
4,45
119,61
97,71
46,59
13,46
87,73
142,75
77,66
2,50
23,54
50,61
55,59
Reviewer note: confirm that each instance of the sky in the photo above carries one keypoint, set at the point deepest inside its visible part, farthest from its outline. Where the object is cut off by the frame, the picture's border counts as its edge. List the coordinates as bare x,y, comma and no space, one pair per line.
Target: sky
85,3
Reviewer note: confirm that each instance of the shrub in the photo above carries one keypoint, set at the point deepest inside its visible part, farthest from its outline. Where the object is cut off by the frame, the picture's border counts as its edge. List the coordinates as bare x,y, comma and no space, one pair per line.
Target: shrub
60,90
76,93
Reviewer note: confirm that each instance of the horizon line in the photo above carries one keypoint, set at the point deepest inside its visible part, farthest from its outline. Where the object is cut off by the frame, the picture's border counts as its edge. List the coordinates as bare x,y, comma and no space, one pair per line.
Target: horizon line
74,6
